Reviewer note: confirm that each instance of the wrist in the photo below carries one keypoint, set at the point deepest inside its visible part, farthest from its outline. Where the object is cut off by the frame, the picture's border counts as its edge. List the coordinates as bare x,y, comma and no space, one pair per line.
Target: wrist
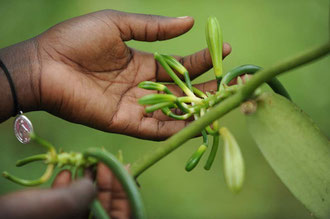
22,63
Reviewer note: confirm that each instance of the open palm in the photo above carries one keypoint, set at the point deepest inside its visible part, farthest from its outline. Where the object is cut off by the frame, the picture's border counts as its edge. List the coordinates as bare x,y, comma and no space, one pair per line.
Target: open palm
88,75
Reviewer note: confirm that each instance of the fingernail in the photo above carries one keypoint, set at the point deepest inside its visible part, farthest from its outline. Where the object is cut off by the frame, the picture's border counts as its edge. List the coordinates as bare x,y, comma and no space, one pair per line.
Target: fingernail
182,17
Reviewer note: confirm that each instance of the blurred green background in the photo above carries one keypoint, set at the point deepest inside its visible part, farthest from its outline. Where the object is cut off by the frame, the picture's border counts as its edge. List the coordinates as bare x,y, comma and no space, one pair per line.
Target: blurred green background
260,32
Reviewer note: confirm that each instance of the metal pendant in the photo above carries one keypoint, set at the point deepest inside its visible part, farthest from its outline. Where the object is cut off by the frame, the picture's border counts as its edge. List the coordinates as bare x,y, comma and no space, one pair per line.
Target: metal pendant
23,128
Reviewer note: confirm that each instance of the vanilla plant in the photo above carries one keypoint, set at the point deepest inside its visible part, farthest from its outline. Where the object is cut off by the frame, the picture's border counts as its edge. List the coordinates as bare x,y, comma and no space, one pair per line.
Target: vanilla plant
275,124
196,103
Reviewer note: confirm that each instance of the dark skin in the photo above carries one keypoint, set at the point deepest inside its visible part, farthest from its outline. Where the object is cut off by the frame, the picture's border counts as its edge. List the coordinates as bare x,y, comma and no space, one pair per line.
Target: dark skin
68,199
81,70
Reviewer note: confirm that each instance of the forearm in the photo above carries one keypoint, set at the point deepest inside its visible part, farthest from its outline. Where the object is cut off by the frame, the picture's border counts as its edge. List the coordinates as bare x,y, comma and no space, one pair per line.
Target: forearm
21,61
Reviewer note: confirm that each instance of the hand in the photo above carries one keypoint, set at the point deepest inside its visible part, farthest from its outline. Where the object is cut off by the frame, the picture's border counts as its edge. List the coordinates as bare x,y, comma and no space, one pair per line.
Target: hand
83,71
67,199
88,75
66,202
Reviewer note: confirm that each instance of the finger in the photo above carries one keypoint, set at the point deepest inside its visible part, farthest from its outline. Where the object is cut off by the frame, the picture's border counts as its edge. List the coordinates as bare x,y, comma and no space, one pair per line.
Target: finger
111,194
90,173
104,177
69,202
62,179
244,79
149,27
196,64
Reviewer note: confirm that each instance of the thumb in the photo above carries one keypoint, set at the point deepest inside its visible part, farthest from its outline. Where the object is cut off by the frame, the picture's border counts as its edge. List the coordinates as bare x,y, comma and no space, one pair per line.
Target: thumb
68,202
149,27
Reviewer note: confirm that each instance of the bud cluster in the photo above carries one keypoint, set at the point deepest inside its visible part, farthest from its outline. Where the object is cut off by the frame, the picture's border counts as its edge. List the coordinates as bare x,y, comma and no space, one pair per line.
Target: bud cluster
196,103
52,159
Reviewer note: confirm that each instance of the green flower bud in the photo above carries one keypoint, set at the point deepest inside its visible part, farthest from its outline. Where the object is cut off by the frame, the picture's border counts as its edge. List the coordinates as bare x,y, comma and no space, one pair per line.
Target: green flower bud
158,106
186,99
156,98
233,161
150,85
214,43
195,158
175,64
199,92
176,79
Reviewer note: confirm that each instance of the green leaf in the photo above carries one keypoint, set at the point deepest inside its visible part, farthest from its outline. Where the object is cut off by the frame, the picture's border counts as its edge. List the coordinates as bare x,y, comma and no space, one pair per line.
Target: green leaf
295,148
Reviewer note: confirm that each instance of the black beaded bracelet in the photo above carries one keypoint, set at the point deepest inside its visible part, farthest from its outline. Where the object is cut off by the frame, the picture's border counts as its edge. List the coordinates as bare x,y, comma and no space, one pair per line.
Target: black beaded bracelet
22,125
12,88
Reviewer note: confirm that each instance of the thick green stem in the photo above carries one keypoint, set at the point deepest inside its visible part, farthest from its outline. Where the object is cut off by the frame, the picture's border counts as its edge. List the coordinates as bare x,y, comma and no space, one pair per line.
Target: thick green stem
124,178
225,106
98,210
